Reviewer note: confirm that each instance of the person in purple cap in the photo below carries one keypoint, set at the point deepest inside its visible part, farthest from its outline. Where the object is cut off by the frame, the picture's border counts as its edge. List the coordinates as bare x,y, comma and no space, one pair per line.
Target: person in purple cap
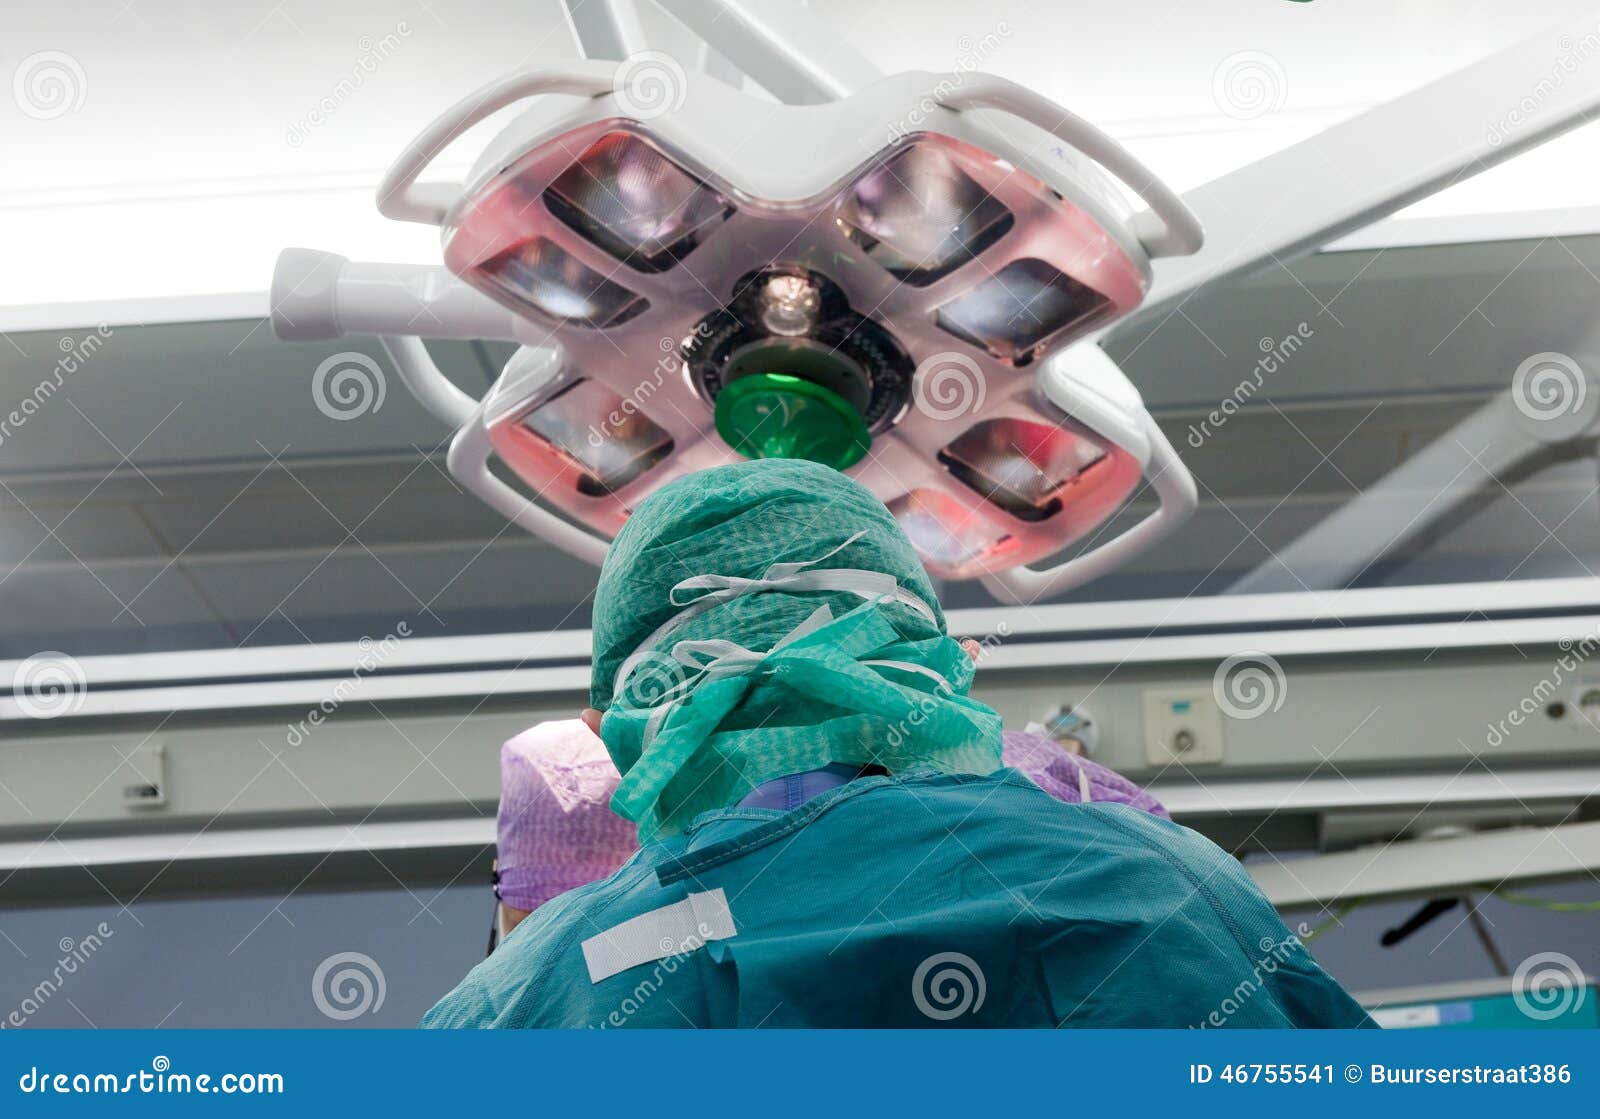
556,828
1071,777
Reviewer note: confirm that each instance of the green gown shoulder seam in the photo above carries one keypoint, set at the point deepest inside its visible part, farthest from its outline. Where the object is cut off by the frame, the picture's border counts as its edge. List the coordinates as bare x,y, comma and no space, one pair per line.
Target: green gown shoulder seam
1201,886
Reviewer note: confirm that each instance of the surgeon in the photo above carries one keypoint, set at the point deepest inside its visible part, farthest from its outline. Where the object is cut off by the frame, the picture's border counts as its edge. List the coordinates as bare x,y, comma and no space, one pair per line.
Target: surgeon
828,836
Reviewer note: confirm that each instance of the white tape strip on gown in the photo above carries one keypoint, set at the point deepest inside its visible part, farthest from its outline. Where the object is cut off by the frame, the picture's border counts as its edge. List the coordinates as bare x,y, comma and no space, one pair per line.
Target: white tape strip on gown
672,930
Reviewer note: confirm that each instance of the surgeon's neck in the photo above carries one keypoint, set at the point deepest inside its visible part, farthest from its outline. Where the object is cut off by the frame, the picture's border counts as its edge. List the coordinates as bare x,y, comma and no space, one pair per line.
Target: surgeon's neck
793,790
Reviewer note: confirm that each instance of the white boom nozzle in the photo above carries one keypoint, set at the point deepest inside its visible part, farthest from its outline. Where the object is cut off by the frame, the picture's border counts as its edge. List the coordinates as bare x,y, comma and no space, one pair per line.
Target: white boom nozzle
305,295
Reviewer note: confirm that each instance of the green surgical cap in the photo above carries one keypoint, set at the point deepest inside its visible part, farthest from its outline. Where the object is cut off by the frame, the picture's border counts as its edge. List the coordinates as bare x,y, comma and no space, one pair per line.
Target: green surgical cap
771,618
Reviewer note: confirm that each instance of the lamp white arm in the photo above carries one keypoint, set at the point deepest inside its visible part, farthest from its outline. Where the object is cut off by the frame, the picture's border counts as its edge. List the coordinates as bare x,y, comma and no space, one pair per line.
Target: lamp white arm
783,48
402,198
427,382
1177,232
1175,487
468,460
318,295
1370,165
606,29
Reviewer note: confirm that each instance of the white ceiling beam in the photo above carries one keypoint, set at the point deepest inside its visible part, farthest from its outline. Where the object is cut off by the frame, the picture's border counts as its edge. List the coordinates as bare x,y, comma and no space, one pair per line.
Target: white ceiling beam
1373,164
1420,867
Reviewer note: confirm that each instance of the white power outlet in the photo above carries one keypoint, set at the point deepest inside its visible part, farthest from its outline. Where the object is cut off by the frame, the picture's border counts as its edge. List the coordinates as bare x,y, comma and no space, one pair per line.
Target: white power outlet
144,777
1182,726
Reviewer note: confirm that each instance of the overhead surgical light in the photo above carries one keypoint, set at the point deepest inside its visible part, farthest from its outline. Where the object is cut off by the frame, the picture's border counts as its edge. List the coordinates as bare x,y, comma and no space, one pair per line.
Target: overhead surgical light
730,277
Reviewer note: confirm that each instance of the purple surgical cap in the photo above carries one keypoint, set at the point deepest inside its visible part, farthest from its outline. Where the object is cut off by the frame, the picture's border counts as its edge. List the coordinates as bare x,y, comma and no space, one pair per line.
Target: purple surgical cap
557,830
1068,777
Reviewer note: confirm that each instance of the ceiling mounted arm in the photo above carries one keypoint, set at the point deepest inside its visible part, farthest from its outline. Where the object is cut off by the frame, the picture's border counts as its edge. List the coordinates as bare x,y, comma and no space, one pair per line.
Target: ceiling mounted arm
606,29
1387,157
783,48
1513,429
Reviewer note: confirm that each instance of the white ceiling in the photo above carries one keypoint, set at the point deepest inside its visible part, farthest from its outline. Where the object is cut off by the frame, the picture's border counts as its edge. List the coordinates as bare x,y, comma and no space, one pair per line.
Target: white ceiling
186,160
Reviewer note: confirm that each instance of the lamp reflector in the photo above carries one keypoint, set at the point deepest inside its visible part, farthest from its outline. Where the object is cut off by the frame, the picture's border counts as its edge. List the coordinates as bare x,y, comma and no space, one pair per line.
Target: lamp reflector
634,202
1012,312
1020,465
919,216
588,424
544,276
948,535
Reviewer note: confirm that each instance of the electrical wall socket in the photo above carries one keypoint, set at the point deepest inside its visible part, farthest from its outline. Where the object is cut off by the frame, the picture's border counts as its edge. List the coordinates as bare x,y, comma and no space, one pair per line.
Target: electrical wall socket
144,777
1182,726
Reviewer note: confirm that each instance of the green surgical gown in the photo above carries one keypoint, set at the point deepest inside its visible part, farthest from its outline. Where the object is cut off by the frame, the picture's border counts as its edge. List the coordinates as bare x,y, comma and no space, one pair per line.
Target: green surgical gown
924,899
